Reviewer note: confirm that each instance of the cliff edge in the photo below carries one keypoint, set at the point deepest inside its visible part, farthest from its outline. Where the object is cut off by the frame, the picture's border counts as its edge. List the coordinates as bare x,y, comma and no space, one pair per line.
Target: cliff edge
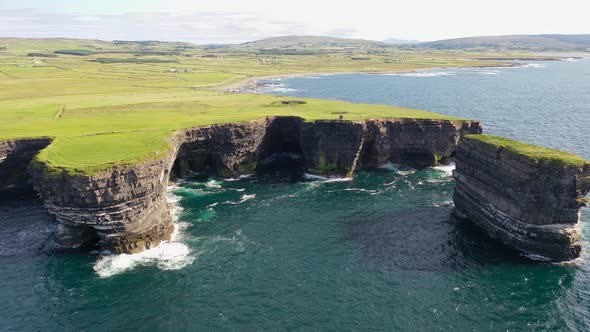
526,196
125,209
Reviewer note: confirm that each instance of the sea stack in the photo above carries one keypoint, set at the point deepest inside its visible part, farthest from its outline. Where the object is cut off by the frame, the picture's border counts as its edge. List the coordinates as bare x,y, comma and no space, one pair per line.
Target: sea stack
526,196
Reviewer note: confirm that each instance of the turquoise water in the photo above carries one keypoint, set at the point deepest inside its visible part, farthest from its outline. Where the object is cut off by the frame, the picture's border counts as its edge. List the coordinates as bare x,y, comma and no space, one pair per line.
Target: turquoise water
378,252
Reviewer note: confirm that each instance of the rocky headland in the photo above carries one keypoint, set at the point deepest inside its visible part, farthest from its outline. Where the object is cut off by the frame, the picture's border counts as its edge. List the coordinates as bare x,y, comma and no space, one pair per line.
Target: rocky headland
525,196
125,210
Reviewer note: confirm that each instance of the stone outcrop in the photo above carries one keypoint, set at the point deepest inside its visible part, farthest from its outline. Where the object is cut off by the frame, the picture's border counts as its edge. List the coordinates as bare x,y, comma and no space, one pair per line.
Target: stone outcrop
224,150
125,208
420,143
533,206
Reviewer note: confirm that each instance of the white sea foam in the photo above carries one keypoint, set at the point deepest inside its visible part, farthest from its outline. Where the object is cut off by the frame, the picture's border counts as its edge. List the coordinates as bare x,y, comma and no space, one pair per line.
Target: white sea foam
241,177
437,180
424,74
444,204
396,168
213,184
486,72
280,89
275,87
361,190
173,199
243,199
325,179
390,166
534,65
448,169
246,197
168,255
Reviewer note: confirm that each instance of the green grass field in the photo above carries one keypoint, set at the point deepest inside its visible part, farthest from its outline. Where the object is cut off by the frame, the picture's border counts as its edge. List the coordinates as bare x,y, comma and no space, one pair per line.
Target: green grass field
534,152
121,111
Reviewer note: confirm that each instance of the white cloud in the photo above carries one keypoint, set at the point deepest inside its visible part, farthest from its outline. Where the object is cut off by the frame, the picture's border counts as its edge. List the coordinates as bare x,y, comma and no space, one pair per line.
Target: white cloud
224,21
205,27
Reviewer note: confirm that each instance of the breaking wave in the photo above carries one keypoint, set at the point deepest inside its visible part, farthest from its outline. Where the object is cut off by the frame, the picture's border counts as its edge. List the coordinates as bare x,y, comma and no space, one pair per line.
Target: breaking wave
325,179
448,169
168,255
534,65
486,72
245,197
281,89
397,168
241,177
424,74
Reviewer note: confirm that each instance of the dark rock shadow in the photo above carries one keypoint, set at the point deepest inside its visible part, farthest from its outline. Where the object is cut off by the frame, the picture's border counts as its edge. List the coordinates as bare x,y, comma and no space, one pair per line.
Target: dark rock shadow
426,239
26,227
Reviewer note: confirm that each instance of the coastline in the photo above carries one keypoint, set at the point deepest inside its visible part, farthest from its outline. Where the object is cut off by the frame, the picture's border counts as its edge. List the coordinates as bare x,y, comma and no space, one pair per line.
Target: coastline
250,83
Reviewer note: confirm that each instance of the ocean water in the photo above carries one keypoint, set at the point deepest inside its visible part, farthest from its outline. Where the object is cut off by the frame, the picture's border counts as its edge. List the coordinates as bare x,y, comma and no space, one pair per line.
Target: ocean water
376,252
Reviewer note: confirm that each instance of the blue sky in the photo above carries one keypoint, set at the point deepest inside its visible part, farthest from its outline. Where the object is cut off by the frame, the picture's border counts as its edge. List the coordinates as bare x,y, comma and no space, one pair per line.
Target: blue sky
228,21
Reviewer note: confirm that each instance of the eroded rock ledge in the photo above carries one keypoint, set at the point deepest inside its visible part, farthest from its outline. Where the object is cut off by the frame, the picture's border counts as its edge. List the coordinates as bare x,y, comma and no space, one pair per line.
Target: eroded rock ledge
531,205
126,207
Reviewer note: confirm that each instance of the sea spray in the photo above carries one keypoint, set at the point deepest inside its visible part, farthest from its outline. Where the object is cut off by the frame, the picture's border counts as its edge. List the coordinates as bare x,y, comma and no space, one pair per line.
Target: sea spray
424,73
447,169
389,166
244,198
168,255
325,179
241,177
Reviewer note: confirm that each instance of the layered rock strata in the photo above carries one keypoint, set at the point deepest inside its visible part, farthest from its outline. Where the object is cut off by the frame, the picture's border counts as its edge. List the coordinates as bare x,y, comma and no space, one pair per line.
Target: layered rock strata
126,208
531,205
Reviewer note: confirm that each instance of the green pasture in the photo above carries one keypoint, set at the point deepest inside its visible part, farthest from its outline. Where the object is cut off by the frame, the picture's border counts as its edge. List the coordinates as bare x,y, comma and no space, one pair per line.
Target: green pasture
121,111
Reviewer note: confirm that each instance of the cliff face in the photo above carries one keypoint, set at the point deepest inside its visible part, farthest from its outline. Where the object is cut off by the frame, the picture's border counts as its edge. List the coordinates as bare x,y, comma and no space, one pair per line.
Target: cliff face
342,147
421,143
126,208
332,147
224,150
530,205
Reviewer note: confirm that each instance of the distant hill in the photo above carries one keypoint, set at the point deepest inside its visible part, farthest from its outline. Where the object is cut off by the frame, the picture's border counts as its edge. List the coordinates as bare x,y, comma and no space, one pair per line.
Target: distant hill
395,41
516,42
83,47
310,43
297,45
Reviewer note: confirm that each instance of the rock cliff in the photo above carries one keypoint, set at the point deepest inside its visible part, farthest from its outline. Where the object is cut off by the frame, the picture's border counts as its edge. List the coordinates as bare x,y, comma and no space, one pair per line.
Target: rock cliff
530,204
125,207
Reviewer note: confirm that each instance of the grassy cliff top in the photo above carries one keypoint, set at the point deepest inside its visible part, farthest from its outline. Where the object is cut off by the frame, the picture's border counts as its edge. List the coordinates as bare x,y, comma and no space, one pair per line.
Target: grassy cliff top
95,132
107,103
534,152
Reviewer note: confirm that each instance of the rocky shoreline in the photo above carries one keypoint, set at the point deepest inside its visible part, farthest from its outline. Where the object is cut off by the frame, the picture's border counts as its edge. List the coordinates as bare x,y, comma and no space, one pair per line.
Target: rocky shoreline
252,84
125,208
531,205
